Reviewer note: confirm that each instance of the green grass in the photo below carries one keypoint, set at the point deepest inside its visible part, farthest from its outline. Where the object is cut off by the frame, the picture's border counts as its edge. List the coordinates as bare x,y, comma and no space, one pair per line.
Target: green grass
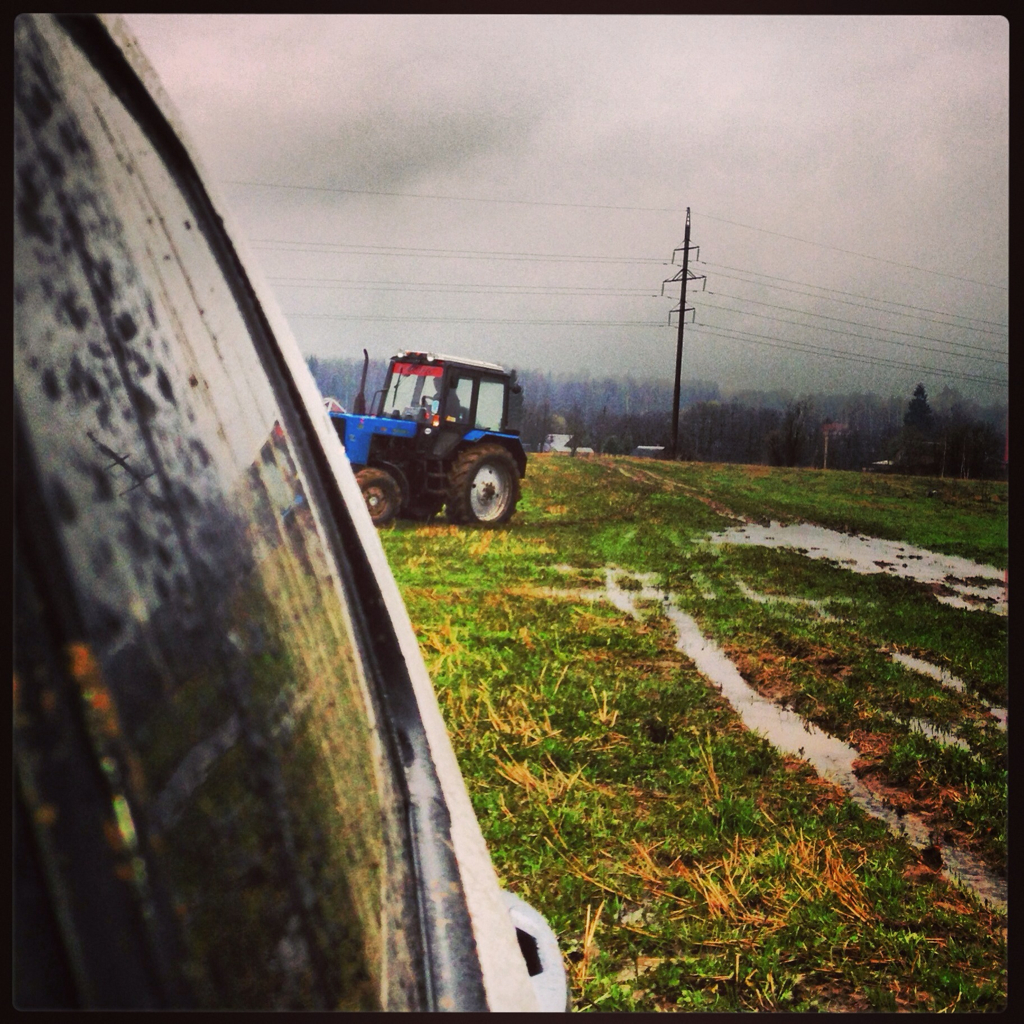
683,862
957,517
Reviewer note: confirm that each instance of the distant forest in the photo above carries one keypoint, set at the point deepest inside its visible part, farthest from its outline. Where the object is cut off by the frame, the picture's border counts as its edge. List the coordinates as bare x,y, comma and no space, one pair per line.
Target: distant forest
940,435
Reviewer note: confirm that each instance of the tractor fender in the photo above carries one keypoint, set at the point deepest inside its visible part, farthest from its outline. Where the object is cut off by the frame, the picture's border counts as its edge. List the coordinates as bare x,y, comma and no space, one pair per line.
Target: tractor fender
510,442
399,477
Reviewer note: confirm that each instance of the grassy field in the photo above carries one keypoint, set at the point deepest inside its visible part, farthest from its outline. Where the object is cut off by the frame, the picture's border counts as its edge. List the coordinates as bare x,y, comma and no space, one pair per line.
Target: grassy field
682,860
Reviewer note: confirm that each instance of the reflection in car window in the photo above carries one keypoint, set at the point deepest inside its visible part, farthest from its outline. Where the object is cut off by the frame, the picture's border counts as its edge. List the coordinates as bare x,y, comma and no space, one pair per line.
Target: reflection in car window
236,722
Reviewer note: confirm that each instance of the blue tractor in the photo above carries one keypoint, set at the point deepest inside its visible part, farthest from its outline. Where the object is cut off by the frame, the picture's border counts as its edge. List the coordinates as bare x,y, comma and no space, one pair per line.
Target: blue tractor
444,433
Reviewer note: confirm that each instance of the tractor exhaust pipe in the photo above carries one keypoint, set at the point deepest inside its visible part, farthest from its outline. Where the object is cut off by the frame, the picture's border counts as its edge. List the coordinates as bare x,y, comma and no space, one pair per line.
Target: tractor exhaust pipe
359,405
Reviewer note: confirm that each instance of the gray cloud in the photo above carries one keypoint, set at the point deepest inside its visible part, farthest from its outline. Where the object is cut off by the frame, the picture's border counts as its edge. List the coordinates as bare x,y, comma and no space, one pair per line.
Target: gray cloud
880,136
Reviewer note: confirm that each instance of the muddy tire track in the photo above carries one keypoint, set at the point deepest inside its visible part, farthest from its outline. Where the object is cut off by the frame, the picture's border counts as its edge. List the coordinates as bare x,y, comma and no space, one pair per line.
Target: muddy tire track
649,477
918,810
927,799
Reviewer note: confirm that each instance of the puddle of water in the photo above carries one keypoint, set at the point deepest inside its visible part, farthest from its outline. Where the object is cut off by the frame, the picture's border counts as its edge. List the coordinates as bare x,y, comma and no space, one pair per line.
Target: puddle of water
975,586
928,669
806,602
944,736
947,679
916,664
969,603
788,732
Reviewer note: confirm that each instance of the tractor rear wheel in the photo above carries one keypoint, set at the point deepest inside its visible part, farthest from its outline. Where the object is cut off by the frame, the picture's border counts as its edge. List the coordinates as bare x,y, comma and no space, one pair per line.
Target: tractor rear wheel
483,485
381,494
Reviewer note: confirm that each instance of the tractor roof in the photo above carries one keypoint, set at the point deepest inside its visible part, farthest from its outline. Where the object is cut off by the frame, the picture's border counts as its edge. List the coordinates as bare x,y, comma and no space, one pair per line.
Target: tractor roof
438,357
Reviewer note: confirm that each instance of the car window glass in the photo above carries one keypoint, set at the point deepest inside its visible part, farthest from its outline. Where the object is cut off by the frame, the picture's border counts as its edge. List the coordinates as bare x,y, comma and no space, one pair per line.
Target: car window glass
220,645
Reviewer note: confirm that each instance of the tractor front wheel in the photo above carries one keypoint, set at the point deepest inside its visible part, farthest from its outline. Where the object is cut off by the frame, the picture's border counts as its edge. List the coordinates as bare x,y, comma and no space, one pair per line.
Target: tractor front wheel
381,493
483,486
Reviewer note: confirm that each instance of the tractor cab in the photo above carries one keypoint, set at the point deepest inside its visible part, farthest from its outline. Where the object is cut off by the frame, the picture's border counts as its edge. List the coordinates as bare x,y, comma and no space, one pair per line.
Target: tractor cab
442,392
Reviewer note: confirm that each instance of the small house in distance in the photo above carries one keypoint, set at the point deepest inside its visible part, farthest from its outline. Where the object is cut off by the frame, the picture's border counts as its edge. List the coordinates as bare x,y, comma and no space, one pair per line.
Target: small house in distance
558,443
648,451
561,444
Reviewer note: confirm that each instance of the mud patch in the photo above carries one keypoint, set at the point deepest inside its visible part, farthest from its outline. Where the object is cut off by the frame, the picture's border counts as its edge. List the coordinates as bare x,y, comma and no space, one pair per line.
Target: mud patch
836,762
803,602
651,478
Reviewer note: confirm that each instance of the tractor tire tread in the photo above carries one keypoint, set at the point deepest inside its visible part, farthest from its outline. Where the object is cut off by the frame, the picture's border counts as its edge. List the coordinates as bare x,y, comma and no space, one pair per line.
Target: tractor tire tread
458,508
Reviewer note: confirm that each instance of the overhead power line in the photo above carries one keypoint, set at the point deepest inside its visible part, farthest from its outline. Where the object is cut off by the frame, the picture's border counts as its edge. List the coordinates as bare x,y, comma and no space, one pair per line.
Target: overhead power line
837,291
447,199
439,287
763,339
857,323
851,334
353,249
877,309
597,206
861,255
477,320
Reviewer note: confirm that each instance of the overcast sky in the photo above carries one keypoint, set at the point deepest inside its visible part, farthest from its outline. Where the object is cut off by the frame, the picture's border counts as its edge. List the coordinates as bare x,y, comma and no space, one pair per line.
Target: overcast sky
513,187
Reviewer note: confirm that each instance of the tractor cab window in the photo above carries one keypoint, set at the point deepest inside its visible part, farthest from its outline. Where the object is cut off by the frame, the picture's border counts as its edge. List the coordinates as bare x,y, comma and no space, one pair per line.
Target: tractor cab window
490,404
460,401
413,391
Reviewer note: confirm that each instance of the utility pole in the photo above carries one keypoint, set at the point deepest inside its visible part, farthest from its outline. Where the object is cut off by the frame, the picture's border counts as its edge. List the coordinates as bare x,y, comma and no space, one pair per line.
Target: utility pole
683,276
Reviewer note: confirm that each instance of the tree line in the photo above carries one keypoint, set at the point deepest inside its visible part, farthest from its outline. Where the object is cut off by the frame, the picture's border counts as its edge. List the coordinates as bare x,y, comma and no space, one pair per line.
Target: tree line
949,435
